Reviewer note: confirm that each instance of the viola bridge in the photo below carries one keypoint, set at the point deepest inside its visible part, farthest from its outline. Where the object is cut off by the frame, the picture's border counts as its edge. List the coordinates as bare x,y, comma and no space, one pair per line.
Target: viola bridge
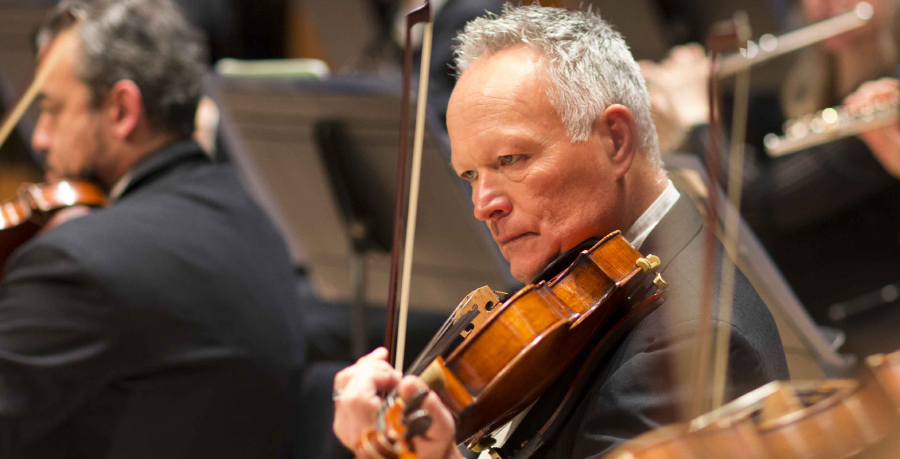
483,299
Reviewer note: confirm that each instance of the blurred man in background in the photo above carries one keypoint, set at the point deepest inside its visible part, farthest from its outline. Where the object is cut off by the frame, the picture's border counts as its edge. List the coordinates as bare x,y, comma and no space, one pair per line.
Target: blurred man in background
166,325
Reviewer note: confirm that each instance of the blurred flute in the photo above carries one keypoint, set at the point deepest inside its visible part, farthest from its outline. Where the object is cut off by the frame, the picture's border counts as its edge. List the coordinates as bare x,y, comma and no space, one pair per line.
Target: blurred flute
770,46
828,125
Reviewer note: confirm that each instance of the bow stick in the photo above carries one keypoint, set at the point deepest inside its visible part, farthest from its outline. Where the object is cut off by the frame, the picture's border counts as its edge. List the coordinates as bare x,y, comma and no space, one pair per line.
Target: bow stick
46,66
736,31
395,341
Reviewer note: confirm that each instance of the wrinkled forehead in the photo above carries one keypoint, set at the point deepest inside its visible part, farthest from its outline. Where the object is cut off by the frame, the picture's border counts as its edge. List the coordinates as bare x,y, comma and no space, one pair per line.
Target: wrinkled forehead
501,105
509,80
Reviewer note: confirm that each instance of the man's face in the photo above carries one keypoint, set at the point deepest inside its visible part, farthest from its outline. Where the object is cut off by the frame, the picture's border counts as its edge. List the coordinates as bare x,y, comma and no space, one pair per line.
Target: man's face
69,131
539,193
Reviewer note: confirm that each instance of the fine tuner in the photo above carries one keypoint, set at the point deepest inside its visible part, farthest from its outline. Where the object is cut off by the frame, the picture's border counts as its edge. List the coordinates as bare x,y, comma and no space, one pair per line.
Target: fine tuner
830,124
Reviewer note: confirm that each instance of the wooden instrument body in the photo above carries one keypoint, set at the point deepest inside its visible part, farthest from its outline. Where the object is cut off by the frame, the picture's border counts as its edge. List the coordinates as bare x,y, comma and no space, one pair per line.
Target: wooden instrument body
25,215
525,344
835,419
831,419
518,348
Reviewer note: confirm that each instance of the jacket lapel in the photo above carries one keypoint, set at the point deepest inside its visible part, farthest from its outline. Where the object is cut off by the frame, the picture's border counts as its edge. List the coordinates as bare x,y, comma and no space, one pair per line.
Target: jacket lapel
673,233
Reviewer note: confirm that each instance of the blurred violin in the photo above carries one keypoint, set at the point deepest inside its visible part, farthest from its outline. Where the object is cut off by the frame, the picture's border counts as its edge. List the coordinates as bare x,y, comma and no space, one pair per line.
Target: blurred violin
37,207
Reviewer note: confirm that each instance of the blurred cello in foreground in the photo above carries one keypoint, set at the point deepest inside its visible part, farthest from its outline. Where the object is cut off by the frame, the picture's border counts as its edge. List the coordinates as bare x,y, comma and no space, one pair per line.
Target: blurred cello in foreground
832,419
38,207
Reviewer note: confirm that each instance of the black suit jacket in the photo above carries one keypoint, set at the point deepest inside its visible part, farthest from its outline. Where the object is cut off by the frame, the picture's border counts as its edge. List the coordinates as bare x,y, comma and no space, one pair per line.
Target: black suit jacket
637,388
164,326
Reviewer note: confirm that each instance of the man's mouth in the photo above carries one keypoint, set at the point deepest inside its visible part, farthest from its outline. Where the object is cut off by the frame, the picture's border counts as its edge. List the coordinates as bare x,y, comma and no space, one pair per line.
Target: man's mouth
515,238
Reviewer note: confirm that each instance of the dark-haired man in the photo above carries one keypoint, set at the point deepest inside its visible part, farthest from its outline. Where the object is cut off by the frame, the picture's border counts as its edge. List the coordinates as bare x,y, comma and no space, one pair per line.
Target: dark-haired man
166,325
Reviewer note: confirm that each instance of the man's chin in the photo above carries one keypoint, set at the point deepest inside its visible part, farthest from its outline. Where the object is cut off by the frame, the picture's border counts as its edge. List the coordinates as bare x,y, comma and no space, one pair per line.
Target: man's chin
525,272
527,259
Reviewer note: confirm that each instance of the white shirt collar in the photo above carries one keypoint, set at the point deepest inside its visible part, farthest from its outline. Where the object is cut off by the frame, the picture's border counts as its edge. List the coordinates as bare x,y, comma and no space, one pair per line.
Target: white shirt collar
652,216
116,191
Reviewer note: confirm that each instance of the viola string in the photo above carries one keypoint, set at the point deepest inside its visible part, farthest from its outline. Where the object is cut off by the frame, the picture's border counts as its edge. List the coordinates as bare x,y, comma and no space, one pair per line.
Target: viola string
415,178
431,344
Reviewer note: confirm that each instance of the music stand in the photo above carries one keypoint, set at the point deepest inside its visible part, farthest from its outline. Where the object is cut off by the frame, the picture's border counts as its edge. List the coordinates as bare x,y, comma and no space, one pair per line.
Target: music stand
274,131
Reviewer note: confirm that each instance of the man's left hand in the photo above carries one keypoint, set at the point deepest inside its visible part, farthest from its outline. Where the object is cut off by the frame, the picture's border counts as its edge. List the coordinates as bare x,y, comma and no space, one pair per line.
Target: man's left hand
357,403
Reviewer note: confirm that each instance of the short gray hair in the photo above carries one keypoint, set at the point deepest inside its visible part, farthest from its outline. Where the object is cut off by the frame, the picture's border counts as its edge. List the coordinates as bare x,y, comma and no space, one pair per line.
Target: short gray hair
588,63
146,41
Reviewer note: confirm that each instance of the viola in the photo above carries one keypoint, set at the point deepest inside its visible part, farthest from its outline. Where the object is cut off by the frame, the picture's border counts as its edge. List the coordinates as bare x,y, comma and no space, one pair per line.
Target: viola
33,208
477,364
533,336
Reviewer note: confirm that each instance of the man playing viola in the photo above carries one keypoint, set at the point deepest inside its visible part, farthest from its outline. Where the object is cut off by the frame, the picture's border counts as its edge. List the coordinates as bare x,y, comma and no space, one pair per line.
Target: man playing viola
167,324
550,124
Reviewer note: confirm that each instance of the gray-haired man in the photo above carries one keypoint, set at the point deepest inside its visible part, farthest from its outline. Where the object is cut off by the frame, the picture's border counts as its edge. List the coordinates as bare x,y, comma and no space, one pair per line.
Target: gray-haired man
550,124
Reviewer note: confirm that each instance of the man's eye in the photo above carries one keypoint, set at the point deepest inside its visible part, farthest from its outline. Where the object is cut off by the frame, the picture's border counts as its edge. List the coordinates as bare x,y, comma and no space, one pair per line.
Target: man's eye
469,175
509,159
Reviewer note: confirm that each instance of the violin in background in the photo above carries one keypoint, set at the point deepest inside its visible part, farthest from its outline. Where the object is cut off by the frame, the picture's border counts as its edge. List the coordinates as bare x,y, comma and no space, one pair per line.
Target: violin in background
39,207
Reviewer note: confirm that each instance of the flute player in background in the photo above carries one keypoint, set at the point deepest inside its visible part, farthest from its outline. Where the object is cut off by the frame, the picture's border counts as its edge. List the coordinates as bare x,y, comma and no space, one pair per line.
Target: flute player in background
884,142
832,205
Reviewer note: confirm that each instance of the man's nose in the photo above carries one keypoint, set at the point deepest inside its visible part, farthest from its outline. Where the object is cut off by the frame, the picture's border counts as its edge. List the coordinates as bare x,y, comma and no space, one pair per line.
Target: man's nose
40,139
491,202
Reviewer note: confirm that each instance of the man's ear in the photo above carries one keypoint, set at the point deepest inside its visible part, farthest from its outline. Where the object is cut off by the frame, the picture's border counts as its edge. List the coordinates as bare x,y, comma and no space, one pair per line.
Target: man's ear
124,108
618,123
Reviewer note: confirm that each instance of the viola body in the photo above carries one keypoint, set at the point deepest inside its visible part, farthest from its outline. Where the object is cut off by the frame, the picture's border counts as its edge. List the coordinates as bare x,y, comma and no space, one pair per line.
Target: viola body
518,348
526,343
25,215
